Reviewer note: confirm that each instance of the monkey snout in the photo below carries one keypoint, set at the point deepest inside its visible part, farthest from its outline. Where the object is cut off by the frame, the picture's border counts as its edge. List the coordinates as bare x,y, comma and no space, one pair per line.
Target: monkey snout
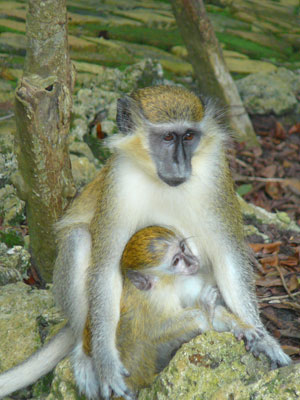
192,264
192,268
174,181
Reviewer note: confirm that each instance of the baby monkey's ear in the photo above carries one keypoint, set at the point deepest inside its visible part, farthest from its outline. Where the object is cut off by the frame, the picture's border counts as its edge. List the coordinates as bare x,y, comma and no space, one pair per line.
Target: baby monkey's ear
140,281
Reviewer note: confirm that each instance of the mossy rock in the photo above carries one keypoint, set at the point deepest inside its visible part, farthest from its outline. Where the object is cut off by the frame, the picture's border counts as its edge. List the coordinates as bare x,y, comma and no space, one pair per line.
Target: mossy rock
21,305
202,366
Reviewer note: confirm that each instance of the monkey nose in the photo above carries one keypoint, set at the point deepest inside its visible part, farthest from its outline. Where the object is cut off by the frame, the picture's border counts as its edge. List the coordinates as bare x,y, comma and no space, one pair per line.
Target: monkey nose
193,268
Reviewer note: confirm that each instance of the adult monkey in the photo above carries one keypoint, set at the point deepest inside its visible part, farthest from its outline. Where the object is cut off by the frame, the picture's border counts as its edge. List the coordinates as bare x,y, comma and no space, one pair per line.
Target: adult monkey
169,168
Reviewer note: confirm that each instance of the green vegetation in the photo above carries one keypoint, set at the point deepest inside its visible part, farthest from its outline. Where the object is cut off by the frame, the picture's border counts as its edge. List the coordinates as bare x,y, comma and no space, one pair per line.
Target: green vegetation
6,29
254,50
244,189
103,57
11,238
98,148
161,38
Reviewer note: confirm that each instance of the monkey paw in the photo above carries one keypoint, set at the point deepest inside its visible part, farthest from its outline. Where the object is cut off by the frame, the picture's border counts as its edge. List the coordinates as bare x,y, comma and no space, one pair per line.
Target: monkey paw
257,340
209,297
248,334
270,347
112,381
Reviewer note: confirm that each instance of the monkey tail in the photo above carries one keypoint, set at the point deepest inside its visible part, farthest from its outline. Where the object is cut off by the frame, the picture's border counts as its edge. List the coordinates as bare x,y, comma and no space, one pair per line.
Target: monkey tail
38,364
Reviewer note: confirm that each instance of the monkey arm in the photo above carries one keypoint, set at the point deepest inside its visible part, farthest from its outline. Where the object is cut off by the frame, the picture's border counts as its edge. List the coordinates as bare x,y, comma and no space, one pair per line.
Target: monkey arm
110,234
105,289
224,320
176,330
233,270
234,278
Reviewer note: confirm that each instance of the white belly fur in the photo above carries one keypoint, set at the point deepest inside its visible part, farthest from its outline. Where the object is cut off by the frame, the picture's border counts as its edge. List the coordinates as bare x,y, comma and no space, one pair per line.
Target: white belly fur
184,208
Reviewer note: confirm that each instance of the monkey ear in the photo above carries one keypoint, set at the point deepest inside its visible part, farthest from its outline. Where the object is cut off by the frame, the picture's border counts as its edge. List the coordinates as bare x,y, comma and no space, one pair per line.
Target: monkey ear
140,281
124,116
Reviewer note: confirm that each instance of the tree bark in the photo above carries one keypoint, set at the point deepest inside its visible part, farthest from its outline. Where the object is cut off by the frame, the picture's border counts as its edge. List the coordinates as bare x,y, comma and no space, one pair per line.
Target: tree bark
209,66
43,103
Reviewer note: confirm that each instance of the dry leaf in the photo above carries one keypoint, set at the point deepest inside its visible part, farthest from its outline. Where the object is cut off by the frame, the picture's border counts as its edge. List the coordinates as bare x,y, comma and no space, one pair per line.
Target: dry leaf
291,261
293,185
273,189
269,171
295,129
290,350
266,248
280,132
293,283
269,282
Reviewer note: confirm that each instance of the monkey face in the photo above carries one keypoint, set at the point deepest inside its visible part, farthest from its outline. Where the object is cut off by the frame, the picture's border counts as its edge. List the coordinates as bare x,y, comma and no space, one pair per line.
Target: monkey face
167,120
183,261
172,147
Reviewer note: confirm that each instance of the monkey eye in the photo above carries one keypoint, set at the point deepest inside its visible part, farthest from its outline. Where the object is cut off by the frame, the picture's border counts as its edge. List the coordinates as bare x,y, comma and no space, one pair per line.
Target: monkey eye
169,137
176,261
189,135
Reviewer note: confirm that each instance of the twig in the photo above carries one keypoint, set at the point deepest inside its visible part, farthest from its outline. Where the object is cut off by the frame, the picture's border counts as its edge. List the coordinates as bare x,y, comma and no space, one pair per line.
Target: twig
286,296
258,179
244,164
6,117
283,280
292,305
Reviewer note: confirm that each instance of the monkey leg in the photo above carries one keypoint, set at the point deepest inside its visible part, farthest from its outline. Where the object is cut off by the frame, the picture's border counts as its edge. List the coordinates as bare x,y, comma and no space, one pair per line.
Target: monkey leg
70,275
84,373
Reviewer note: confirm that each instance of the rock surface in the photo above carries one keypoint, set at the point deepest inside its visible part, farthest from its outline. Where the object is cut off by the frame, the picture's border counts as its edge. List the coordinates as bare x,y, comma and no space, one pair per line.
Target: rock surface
211,366
275,92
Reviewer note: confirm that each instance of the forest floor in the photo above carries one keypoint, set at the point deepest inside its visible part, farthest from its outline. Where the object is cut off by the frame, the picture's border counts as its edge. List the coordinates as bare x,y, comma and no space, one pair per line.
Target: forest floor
269,177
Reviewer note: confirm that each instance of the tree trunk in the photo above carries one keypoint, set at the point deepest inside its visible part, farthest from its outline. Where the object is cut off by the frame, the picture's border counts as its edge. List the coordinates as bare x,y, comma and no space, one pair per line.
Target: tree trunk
43,105
209,66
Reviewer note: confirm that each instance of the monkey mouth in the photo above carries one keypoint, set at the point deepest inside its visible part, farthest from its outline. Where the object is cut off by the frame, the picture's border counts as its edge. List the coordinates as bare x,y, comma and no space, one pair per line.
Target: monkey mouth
192,269
172,181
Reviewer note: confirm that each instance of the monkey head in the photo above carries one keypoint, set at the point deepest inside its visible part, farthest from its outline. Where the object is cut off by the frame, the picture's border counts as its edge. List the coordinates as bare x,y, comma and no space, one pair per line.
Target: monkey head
161,128
156,251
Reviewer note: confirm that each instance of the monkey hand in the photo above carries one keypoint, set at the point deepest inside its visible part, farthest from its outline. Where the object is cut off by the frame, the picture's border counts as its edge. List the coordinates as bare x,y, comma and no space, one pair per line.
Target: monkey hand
210,295
209,298
270,347
258,340
111,378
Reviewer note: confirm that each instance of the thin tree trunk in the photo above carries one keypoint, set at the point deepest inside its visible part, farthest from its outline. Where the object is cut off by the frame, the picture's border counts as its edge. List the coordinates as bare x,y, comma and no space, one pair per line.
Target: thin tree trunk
43,105
209,66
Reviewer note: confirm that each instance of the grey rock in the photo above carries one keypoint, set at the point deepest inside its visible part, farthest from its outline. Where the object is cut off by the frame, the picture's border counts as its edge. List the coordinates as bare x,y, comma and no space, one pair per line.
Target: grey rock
215,366
21,306
203,365
79,129
14,264
273,92
81,149
83,170
11,206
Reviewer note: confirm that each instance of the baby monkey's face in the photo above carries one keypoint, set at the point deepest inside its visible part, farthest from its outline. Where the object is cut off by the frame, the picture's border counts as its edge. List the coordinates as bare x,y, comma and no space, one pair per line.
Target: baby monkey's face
180,260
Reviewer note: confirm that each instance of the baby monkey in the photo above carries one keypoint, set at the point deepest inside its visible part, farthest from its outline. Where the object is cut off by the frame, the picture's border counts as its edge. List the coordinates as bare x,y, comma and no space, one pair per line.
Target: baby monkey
167,300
